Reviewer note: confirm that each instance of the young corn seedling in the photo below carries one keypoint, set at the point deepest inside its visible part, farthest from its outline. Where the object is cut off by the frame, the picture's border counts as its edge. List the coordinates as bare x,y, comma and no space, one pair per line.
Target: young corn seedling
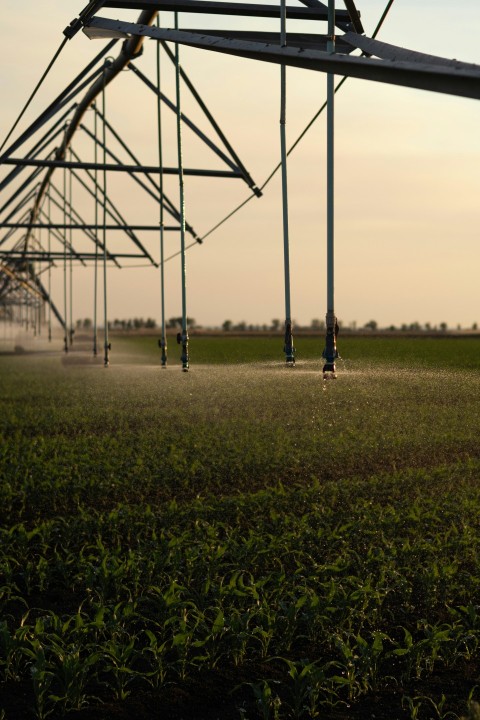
267,703
155,654
42,677
119,657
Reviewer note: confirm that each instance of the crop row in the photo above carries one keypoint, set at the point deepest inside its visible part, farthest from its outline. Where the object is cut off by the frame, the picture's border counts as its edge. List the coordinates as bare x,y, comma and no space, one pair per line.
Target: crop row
344,589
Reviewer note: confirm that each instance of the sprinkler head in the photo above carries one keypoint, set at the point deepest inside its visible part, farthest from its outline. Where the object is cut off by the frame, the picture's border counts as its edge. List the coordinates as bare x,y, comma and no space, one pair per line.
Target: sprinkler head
329,371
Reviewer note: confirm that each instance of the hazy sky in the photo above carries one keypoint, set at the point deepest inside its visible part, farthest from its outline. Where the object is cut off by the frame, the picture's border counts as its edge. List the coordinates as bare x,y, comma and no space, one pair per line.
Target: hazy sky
407,174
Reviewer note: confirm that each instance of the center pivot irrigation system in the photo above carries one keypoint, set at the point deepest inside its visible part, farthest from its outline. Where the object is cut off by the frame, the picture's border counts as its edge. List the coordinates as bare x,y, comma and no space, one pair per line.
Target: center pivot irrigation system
36,204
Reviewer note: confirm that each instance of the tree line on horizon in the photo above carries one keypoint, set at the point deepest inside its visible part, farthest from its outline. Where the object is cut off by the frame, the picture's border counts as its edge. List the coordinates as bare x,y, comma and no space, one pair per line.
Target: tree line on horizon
276,325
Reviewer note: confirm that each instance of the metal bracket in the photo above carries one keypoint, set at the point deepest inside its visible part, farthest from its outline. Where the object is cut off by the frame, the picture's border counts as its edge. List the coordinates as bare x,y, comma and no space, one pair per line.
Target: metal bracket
76,25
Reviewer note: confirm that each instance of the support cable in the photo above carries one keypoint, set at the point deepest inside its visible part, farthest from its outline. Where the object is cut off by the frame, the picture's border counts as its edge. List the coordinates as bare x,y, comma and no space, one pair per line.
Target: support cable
64,98
36,89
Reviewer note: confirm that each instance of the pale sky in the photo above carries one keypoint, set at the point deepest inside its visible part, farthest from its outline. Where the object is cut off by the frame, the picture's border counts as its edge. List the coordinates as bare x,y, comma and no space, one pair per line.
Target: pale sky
407,174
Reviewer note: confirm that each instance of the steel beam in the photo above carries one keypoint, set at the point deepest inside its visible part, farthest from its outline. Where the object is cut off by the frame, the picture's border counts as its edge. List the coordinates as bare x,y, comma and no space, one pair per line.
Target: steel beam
454,78
307,41
28,162
227,8
68,226
354,16
36,256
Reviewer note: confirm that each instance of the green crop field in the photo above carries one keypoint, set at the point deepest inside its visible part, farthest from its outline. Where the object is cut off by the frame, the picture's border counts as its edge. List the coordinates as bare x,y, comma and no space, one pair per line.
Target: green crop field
245,540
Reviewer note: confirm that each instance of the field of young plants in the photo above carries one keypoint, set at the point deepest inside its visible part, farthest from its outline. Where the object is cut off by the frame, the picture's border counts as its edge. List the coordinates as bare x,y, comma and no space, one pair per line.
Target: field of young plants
245,541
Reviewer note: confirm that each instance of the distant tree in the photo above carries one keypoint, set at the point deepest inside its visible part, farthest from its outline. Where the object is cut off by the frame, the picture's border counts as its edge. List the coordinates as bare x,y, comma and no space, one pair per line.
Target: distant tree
317,324
176,322
275,325
443,326
150,323
241,326
227,325
475,326
87,323
371,325
415,327
392,328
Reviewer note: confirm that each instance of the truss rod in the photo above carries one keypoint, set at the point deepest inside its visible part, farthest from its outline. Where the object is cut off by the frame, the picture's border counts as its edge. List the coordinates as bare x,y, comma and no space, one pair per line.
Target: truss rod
186,120
162,198
156,197
27,162
22,187
44,141
21,204
67,226
90,235
46,256
130,49
246,176
112,210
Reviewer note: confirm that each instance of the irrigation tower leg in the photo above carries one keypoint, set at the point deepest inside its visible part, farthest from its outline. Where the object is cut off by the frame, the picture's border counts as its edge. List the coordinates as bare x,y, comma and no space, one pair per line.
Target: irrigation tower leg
70,220
49,269
330,353
288,348
95,272
106,344
65,337
163,339
182,338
